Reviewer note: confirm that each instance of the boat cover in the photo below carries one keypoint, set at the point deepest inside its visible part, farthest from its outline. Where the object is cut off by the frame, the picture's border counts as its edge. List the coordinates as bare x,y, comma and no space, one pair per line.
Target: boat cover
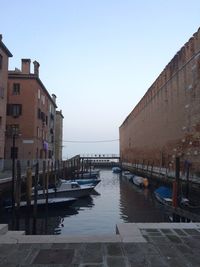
164,192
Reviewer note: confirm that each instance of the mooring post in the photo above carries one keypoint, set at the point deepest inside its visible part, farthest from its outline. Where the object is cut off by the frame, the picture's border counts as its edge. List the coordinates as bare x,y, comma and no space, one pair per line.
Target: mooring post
47,182
28,185
176,183
187,179
36,189
43,175
18,185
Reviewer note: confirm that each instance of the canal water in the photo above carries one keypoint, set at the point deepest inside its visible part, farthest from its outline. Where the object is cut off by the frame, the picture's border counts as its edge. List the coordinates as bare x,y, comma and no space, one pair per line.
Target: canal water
114,200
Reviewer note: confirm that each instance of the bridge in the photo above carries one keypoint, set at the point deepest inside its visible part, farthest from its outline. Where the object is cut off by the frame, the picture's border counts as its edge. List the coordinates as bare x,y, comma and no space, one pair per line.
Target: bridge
99,156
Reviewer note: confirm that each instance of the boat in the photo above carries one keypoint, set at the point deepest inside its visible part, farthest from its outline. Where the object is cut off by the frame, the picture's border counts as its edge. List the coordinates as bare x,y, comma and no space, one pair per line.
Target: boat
116,170
164,195
140,181
52,203
65,188
90,181
87,174
128,175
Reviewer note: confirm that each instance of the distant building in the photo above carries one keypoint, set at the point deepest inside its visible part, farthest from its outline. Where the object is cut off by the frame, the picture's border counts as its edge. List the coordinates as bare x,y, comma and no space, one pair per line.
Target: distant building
165,124
4,55
30,115
58,135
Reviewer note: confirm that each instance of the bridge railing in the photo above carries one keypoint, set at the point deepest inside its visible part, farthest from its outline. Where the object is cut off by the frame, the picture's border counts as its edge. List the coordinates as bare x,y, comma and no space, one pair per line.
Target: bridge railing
99,155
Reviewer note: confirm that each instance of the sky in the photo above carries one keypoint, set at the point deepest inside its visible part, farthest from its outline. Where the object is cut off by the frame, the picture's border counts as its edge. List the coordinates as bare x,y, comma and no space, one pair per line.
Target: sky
98,57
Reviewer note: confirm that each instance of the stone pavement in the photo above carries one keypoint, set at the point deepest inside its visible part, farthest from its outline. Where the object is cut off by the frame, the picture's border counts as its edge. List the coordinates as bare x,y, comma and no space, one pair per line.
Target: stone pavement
157,245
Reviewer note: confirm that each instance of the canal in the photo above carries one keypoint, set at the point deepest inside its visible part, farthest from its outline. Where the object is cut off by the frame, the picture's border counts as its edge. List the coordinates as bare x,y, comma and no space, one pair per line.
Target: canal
114,200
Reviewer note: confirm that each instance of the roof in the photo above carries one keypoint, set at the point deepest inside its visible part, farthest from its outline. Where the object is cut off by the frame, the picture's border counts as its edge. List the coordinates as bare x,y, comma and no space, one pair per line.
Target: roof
4,48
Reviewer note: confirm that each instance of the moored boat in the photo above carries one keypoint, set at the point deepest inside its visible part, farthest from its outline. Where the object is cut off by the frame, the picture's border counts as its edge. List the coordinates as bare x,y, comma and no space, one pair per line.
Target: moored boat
140,181
164,195
67,189
116,170
128,175
89,181
52,203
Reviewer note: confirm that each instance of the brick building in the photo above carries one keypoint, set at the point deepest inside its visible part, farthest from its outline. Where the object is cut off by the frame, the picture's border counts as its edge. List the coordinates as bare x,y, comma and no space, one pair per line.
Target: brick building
58,135
166,122
30,115
4,55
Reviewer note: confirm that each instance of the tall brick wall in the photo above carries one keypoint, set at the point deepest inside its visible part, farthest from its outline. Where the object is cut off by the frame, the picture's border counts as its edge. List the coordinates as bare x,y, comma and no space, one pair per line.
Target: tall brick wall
166,121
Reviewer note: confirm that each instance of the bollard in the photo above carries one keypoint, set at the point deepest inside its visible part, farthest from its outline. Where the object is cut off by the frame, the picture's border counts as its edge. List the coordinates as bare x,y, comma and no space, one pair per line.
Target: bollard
28,186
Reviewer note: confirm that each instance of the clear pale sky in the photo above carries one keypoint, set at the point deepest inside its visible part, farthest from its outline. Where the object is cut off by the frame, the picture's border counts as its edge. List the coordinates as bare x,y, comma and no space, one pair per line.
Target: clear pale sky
98,56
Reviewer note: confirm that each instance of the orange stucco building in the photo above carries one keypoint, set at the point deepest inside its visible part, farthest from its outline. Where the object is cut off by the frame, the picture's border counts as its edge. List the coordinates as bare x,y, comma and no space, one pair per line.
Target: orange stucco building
165,124
30,115
4,56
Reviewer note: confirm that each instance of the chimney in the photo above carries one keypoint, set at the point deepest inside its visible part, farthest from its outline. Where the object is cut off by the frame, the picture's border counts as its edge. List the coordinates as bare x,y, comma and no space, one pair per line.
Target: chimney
26,65
36,68
54,98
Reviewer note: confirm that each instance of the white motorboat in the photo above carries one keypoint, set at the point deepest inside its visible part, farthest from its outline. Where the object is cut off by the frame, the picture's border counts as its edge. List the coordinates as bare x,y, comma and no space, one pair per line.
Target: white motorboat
67,189
128,175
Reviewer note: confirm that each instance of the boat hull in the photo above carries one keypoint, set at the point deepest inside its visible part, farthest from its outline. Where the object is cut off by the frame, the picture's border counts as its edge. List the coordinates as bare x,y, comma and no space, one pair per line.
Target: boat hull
74,193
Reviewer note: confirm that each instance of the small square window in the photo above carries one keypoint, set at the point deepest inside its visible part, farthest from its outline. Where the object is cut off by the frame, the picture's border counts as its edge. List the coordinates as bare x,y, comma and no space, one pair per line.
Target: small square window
16,89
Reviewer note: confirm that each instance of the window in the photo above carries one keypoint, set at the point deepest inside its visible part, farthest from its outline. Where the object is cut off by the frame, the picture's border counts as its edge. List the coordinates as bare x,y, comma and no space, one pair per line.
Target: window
38,93
16,89
43,99
14,110
1,61
38,132
39,113
1,92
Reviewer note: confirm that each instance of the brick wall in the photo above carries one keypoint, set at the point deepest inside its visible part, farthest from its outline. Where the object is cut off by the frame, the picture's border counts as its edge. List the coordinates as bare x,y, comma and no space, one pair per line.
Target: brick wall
166,121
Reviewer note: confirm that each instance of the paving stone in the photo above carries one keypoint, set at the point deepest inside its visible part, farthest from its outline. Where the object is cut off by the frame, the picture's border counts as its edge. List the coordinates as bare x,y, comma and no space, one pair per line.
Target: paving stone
192,242
154,234
8,249
116,261
180,232
114,249
135,250
9,265
174,238
192,231
192,260
17,256
175,262
159,240
168,250
49,265
54,256
93,253
152,230
184,249
92,265
59,246
166,231
139,261
156,261
147,238
31,256
79,250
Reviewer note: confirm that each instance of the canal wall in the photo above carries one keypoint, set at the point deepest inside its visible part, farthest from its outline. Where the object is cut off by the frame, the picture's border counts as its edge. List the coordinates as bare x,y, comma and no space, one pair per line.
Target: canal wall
165,124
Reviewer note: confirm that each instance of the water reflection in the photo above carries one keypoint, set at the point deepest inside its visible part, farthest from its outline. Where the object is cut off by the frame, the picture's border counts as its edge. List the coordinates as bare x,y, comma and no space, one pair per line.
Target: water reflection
138,205
114,200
